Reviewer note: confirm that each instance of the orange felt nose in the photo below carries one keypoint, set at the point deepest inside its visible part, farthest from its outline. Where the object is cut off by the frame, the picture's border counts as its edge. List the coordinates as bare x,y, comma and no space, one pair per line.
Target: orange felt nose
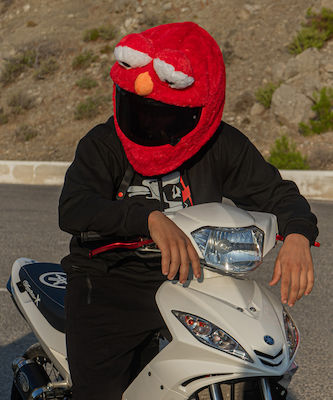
143,84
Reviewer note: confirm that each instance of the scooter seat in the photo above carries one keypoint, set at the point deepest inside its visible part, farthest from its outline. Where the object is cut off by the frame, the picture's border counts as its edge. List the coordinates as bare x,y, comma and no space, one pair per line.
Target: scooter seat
46,285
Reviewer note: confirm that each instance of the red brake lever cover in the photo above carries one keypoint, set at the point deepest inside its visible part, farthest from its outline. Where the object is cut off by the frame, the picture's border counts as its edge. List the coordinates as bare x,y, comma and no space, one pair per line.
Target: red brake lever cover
120,245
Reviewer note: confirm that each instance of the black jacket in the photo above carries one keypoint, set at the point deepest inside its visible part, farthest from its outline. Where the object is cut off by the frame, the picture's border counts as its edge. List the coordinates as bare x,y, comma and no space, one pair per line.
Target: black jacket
227,166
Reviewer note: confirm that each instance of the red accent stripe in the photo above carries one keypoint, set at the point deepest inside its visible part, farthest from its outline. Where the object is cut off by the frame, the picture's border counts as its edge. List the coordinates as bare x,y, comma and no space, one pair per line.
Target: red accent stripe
120,245
280,237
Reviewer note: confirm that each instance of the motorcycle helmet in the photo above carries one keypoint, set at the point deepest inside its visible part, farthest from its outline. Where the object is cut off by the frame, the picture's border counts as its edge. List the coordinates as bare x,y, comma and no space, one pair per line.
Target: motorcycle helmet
169,92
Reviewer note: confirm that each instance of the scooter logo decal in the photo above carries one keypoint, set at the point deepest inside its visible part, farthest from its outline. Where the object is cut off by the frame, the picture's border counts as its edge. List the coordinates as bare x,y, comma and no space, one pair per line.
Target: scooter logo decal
35,298
269,340
54,279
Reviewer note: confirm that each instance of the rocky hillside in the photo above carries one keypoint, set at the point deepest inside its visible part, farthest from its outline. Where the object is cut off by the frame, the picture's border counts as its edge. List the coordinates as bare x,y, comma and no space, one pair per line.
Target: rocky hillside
55,58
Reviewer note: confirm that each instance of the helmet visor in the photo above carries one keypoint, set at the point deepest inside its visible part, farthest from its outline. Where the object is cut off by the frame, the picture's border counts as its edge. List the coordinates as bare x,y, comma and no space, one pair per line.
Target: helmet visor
152,123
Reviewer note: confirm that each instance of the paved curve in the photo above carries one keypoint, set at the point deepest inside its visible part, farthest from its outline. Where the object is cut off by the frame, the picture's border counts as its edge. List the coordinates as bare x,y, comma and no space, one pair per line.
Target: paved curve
28,216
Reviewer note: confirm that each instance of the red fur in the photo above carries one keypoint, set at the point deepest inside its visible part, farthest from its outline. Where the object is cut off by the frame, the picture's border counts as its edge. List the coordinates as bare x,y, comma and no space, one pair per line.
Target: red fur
190,49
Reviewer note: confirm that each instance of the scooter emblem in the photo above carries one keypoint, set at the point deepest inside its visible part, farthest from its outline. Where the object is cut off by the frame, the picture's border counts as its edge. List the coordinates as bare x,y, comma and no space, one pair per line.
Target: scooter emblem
269,340
54,279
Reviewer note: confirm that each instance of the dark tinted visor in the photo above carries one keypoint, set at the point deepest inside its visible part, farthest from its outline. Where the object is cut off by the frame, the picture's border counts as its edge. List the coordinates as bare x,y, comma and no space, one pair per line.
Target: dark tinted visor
152,123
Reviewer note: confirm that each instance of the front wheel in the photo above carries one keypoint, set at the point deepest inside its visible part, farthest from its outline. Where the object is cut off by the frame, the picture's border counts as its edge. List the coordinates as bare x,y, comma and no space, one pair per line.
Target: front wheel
250,389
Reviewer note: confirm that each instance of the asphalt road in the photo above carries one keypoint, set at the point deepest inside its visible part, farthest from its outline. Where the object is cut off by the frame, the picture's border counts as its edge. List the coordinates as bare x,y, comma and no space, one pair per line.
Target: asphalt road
28,228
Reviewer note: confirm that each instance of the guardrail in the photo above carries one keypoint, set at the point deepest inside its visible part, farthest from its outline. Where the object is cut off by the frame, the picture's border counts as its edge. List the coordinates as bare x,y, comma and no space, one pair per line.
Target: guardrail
312,184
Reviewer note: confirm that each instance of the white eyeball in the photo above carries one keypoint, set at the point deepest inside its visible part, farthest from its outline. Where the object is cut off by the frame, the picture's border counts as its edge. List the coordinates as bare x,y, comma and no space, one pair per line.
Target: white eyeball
130,58
166,72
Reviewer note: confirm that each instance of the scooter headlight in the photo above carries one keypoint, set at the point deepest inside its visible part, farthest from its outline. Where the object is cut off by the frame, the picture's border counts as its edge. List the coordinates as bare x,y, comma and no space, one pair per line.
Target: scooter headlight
292,334
211,335
231,250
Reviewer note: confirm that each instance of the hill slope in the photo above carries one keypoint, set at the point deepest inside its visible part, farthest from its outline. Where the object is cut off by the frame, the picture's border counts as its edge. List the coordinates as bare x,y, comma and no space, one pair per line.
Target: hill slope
43,80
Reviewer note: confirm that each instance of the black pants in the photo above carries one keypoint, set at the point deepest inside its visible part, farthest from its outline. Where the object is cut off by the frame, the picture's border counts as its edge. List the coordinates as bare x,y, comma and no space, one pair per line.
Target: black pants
110,321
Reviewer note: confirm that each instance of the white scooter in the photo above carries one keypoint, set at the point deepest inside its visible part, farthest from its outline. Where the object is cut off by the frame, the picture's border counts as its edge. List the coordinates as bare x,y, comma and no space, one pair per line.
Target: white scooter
230,337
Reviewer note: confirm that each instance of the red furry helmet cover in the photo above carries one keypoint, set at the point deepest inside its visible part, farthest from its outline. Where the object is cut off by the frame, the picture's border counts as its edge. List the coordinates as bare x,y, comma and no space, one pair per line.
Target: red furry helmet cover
178,64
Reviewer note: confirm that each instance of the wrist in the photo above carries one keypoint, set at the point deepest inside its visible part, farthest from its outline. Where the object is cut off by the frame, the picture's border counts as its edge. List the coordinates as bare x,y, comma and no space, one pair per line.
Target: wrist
153,217
297,237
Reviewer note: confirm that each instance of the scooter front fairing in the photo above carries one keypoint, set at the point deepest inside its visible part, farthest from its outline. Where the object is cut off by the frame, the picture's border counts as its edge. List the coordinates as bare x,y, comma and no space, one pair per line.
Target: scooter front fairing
242,309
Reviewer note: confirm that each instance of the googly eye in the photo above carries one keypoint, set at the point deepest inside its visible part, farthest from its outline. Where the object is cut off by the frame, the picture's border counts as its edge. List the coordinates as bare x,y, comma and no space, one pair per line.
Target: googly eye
130,58
167,73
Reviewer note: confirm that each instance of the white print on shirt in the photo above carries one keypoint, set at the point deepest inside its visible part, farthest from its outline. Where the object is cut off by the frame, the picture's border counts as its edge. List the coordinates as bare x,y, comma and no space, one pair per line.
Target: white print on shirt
171,191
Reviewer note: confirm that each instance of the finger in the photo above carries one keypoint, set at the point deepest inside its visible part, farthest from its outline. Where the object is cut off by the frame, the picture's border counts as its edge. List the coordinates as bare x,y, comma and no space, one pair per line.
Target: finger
285,283
276,274
194,259
185,264
175,261
294,285
310,280
166,258
303,281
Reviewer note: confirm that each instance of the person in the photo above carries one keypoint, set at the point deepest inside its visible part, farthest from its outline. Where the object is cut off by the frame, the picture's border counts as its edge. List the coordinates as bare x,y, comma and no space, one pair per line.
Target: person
169,148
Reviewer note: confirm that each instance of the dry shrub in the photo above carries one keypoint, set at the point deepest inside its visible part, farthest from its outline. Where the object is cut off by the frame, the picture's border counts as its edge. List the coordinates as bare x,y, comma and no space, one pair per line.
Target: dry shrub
24,133
20,101
31,56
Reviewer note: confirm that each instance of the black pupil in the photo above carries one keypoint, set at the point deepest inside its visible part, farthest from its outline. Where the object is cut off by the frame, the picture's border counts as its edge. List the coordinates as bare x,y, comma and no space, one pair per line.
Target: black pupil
152,123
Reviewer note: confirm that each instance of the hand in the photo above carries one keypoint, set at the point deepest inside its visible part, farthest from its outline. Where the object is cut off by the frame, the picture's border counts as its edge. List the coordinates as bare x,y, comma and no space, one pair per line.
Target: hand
176,248
295,269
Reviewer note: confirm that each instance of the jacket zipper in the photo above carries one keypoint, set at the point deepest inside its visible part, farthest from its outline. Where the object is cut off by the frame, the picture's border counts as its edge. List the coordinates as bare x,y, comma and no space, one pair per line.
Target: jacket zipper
160,189
89,286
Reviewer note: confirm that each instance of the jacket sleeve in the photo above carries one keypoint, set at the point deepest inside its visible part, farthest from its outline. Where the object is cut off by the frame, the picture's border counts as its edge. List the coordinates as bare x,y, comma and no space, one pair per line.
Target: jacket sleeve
87,201
254,184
